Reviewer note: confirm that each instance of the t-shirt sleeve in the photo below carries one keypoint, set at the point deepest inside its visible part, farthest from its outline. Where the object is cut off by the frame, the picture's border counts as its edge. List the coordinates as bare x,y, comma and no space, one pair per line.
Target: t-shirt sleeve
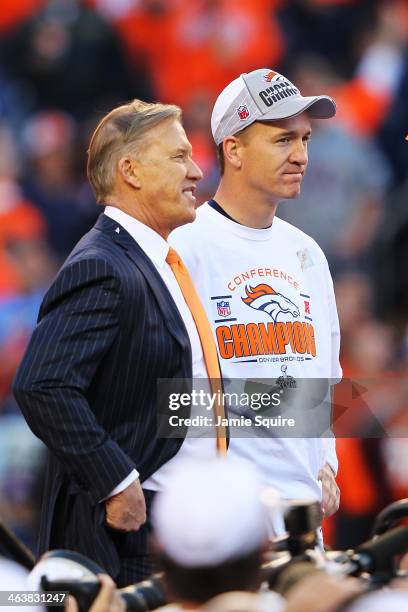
330,456
335,369
329,442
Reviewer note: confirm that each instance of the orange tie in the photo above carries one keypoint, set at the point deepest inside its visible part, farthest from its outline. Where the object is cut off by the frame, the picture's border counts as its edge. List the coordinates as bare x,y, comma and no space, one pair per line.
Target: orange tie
206,338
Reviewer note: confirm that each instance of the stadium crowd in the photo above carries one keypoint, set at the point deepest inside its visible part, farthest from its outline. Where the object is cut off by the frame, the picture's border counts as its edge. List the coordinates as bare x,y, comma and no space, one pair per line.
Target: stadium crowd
63,63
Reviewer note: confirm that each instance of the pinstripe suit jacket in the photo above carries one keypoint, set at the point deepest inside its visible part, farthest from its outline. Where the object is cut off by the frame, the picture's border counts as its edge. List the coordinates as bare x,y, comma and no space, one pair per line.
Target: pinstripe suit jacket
107,329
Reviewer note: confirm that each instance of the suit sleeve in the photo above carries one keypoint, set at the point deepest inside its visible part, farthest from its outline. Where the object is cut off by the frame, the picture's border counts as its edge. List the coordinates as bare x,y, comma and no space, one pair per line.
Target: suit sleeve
78,324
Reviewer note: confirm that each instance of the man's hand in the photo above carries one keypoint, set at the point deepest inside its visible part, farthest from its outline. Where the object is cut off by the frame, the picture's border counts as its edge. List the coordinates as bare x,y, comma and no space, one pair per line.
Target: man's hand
126,511
330,490
107,600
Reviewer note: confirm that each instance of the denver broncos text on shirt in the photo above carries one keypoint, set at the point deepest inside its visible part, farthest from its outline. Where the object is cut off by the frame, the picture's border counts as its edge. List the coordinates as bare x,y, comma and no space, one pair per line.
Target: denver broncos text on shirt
272,337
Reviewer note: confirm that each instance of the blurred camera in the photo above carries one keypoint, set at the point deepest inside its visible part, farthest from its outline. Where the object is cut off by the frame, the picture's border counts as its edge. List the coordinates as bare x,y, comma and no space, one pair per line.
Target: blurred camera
65,570
291,558
296,554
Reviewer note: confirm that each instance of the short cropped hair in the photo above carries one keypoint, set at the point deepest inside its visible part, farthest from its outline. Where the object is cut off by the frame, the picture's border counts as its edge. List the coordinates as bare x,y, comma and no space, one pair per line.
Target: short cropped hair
118,133
220,150
199,584
221,160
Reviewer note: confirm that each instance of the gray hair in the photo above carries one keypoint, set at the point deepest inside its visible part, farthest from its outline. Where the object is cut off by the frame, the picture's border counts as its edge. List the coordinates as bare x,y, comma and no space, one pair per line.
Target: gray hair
116,134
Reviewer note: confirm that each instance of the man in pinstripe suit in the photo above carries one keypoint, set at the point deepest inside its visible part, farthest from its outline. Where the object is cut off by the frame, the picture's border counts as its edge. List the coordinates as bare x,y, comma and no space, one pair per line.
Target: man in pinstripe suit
112,323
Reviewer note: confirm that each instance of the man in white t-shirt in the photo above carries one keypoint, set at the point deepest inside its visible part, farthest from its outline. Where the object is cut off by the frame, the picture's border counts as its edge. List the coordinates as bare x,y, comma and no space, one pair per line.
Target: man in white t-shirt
265,284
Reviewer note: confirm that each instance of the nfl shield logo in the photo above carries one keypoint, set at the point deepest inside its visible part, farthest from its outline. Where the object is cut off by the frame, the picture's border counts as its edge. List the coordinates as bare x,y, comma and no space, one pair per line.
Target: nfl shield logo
223,309
243,112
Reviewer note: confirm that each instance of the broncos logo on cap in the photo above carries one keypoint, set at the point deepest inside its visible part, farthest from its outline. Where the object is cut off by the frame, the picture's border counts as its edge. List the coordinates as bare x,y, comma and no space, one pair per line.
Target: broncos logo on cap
269,76
265,298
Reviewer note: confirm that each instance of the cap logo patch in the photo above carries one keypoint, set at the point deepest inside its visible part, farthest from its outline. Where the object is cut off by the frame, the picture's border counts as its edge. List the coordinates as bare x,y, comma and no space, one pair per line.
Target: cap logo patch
243,112
268,77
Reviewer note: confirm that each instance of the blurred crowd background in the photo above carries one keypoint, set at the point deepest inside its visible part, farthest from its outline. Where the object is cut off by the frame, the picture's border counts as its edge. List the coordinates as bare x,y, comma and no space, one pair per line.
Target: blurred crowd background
64,63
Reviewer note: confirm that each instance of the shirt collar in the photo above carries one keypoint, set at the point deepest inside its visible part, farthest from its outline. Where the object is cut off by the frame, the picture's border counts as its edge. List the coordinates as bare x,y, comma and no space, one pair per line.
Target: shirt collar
155,247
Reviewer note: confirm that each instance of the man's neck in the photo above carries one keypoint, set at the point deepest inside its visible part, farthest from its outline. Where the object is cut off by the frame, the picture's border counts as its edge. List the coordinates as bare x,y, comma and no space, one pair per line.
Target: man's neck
139,213
245,208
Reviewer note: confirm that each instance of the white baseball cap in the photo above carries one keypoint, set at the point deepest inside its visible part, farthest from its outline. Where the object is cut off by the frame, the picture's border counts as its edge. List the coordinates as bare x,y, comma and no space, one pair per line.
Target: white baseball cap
210,512
263,95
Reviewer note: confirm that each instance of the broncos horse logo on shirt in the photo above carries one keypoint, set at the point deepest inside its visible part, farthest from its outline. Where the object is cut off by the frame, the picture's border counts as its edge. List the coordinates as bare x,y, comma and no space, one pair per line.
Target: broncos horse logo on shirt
265,298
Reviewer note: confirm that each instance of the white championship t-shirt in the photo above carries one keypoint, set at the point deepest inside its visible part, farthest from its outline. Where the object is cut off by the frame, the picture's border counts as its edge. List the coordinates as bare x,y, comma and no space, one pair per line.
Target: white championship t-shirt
269,296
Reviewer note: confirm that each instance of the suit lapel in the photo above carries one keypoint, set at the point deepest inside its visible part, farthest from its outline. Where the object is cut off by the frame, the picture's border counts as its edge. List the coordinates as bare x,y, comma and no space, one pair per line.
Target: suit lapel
167,306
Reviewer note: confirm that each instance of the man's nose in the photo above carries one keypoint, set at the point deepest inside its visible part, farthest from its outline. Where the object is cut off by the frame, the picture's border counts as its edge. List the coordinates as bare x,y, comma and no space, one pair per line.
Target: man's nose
299,153
194,171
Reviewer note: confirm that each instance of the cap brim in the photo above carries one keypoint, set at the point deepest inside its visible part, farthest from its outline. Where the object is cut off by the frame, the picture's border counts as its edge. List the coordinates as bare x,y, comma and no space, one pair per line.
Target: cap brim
318,107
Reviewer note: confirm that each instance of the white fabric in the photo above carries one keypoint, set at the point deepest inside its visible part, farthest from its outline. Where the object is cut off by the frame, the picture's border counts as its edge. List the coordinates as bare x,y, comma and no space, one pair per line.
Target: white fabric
378,601
156,248
210,512
223,257
13,577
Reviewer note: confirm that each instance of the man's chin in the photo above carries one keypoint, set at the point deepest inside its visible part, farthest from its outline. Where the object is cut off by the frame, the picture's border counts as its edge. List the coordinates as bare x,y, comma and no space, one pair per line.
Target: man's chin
188,217
191,215
291,194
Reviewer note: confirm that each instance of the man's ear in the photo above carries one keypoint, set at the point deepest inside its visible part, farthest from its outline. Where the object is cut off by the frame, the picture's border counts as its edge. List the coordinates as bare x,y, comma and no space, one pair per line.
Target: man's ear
231,149
128,171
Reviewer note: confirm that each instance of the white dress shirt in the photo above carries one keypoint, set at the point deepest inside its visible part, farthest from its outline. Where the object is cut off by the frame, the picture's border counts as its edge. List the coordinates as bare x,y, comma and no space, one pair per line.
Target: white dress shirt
156,249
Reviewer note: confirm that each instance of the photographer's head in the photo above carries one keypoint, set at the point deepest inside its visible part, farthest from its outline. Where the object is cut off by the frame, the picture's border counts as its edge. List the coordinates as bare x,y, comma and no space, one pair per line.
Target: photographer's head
210,527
